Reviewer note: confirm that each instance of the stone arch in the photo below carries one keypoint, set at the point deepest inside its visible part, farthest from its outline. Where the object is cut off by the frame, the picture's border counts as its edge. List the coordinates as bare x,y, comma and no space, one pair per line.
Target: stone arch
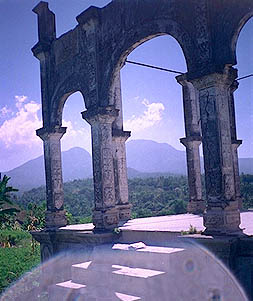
92,56
228,23
171,51
62,93
192,140
242,91
236,33
139,35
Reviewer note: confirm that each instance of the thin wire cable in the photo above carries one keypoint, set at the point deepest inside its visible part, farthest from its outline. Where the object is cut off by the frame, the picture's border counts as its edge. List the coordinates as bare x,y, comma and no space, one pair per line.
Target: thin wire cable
244,77
154,67
171,71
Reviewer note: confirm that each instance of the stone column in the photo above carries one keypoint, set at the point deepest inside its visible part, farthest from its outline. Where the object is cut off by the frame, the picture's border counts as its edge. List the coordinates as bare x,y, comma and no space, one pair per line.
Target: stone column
235,143
55,214
117,102
105,214
120,174
196,204
222,215
192,142
119,139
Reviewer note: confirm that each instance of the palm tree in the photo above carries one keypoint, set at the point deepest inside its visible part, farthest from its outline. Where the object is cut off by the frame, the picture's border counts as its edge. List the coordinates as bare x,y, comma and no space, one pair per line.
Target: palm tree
7,210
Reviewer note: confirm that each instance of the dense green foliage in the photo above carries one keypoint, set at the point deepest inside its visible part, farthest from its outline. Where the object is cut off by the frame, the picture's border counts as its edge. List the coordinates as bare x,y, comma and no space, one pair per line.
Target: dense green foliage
78,198
149,196
18,259
7,209
158,196
247,190
13,237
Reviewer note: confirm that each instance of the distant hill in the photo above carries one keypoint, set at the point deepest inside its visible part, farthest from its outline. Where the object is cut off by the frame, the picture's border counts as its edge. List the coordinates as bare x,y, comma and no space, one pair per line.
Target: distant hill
145,158
246,165
152,157
76,164
133,173
148,156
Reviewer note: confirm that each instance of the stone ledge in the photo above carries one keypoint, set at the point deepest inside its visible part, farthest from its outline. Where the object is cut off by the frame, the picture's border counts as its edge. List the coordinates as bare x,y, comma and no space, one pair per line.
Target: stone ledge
91,13
120,133
87,238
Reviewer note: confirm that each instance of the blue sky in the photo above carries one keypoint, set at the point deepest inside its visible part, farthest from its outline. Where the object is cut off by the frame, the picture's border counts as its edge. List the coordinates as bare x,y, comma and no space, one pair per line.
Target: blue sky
152,99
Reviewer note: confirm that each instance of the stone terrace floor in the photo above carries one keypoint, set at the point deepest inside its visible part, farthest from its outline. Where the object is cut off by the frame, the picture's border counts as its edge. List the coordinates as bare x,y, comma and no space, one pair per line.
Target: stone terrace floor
171,223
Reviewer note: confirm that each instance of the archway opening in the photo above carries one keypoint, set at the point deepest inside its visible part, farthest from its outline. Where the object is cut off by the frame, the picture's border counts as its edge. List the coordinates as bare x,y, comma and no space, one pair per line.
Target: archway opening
244,111
77,161
153,112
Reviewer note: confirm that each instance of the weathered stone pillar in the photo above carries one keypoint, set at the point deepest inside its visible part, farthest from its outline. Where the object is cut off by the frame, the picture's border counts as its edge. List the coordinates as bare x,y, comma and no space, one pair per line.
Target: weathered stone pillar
196,204
120,174
192,142
235,143
105,214
222,215
55,215
119,139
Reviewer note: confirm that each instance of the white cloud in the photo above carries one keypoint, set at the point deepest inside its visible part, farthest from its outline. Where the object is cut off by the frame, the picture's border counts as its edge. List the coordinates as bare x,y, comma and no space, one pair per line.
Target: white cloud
20,129
18,140
151,116
4,111
70,130
76,137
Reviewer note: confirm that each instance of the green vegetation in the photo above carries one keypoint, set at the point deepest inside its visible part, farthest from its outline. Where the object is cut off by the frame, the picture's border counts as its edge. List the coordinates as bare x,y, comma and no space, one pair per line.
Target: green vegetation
13,238
20,257
192,230
158,196
247,191
7,209
150,197
155,196
18,251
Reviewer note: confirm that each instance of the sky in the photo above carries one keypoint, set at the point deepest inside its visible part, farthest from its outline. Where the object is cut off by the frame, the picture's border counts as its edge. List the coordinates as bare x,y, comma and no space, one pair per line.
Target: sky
152,100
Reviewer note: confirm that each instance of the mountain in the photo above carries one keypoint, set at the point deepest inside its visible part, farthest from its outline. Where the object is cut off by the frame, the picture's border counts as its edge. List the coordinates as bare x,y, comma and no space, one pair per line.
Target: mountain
246,165
150,156
133,173
145,158
76,164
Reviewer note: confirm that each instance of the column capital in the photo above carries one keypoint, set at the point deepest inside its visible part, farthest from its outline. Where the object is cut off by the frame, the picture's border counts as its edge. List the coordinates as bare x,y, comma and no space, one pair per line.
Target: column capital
46,133
236,143
216,79
234,86
191,139
124,135
182,79
100,114
40,49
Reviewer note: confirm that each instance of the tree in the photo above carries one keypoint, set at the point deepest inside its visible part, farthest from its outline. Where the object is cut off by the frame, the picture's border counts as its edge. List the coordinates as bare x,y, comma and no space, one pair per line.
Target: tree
7,209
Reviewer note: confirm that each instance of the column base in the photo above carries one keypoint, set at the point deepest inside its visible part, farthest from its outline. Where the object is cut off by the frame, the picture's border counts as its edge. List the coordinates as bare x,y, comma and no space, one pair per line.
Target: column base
125,211
105,219
239,199
196,206
219,221
55,219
